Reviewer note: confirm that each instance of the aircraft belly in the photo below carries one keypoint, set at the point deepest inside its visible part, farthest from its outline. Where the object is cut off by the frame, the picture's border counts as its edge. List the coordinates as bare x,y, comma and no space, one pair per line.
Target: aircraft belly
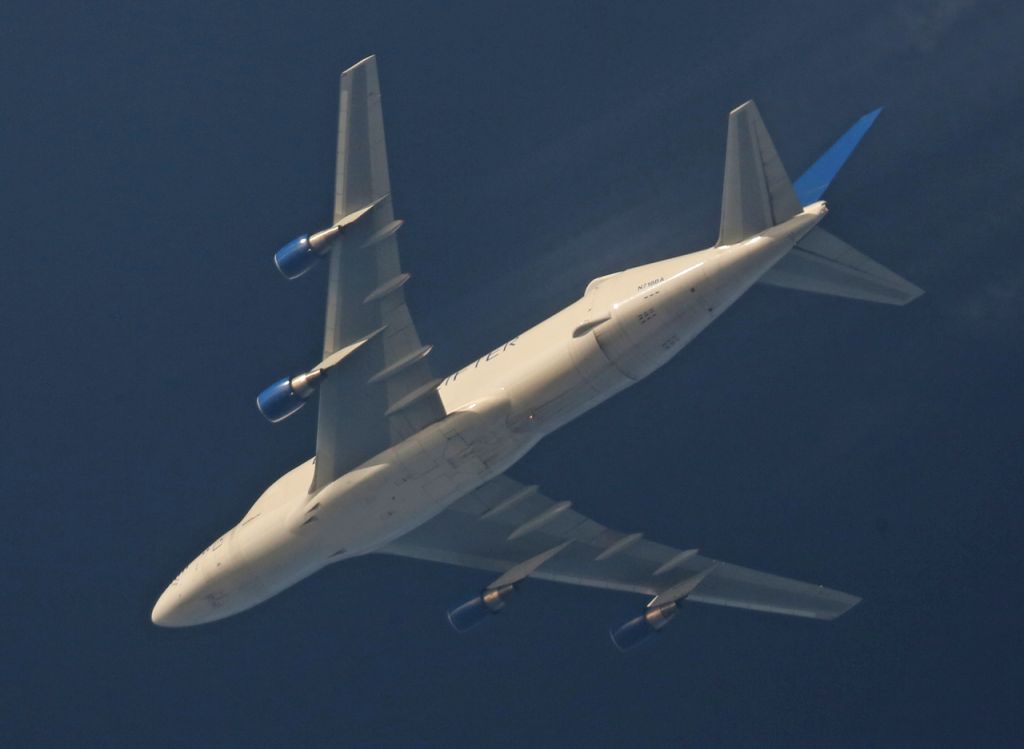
289,534
418,478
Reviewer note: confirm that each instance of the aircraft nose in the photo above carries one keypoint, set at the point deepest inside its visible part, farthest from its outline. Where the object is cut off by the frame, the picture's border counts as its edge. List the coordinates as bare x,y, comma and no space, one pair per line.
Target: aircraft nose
181,605
168,611
160,611
195,597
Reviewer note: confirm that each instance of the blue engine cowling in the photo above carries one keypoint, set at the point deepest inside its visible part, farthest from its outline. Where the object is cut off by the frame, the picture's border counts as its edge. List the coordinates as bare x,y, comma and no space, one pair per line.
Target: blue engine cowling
279,401
296,257
467,615
637,630
288,395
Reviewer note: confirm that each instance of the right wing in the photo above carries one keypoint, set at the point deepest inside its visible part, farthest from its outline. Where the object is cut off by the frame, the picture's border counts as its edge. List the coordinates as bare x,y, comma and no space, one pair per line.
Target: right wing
386,391
505,523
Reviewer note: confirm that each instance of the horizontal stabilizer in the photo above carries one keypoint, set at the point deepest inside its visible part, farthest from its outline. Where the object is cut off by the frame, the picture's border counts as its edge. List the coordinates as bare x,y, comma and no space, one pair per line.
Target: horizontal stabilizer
757,193
824,264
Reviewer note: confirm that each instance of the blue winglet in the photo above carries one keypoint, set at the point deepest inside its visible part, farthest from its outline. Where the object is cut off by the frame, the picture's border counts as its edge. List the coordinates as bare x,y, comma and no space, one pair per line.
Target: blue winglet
812,184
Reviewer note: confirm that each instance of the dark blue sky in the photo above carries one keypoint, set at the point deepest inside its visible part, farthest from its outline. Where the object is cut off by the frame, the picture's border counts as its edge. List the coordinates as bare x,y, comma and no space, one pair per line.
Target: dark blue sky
155,155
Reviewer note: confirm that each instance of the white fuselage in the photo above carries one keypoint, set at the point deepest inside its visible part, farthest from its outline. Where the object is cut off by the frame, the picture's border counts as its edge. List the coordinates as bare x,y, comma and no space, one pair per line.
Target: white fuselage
624,327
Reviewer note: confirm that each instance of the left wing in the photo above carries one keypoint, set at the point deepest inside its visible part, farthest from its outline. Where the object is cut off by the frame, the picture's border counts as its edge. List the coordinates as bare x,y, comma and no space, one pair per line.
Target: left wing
385,391
504,524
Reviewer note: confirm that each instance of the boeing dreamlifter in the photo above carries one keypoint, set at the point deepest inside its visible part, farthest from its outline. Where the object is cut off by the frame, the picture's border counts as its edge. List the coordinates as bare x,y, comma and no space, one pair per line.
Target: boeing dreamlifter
413,465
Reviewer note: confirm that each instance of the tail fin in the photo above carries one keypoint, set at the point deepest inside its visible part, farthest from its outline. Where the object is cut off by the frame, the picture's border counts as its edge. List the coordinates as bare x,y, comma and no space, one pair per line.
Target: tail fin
823,263
757,193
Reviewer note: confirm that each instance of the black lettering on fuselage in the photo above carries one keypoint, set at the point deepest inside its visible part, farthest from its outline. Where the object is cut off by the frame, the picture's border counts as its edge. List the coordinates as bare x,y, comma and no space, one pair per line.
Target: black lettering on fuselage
493,355
649,284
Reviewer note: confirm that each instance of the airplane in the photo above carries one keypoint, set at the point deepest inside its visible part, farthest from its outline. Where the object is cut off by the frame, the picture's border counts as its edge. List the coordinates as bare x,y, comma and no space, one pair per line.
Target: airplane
413,465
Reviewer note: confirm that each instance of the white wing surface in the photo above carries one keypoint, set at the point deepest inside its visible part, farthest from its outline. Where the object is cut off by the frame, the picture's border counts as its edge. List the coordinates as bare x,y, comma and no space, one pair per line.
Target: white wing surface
824,264
385,392
505,523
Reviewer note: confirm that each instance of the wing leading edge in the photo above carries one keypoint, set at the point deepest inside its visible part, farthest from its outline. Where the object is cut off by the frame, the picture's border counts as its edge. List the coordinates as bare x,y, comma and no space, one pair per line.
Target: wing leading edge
504,523
386,392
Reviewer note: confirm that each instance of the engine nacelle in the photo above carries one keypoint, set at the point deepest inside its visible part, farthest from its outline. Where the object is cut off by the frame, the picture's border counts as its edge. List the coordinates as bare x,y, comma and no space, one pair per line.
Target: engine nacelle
467,615
635,631
296,257
302,253
288,395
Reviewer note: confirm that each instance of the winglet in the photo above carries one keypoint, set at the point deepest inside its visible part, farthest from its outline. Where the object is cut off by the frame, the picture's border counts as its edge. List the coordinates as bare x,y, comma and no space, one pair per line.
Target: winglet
812,184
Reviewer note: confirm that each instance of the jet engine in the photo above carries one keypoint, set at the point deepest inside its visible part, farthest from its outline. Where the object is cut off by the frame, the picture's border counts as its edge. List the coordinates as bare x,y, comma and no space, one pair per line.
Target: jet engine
467,615
302,253
288,395
635,631
295,258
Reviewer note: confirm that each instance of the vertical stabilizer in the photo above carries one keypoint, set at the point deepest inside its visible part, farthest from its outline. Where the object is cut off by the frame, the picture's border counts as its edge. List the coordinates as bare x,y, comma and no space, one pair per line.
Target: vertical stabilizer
757,193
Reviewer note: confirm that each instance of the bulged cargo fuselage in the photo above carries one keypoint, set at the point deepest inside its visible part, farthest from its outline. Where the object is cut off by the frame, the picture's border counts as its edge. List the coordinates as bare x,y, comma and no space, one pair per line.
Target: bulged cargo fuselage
624,327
